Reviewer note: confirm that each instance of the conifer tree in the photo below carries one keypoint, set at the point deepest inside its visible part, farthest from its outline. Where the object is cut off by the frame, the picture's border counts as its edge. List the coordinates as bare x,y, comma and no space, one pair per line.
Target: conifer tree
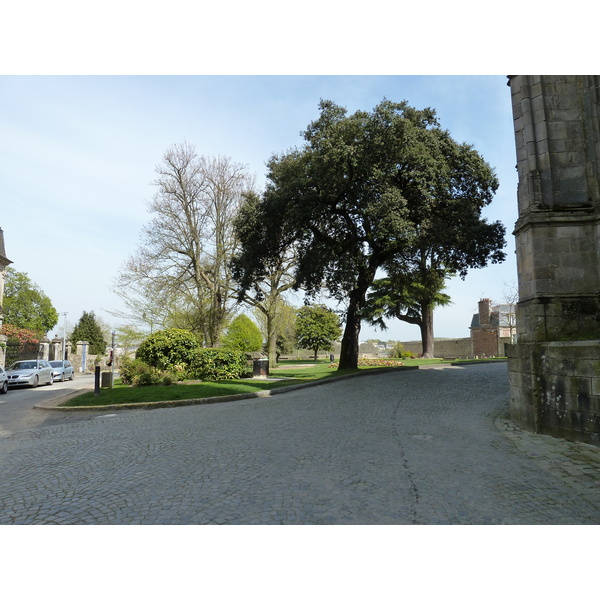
88,330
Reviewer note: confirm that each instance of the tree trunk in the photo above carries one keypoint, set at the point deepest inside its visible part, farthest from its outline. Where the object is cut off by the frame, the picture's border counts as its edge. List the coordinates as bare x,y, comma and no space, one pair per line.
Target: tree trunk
426,326
271,338
349,348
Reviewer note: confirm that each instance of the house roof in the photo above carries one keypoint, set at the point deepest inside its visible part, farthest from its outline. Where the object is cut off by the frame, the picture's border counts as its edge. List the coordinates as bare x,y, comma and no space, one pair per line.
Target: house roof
500,316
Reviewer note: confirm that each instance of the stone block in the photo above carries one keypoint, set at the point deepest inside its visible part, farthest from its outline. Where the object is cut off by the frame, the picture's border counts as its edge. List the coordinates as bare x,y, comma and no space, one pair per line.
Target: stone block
555,131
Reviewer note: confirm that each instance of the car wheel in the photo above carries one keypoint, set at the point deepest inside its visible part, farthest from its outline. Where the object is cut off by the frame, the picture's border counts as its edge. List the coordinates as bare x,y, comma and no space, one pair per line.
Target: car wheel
35,382
62,376
4,388
72,376
51,380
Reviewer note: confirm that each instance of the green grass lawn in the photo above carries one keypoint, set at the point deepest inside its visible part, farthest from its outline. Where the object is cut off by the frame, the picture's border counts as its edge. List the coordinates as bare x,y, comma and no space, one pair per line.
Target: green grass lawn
121,394
292,372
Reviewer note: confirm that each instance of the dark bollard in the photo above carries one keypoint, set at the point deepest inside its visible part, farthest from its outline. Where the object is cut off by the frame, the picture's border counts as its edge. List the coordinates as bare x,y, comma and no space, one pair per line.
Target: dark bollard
97,382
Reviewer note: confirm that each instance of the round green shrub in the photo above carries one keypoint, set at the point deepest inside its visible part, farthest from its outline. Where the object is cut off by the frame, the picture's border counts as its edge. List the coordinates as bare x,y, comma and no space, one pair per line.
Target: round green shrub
168,349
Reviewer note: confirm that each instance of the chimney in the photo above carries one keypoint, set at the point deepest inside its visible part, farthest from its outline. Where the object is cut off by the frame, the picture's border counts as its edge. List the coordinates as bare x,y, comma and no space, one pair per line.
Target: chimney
485,311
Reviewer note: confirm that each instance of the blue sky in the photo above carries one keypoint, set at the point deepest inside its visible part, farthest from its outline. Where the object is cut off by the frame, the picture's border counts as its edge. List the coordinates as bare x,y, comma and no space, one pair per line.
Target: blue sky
77,158
92,96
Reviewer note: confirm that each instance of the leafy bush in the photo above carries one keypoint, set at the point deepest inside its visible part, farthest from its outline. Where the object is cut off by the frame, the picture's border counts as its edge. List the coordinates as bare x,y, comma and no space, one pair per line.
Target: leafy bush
175,354
216,363
168,349
399,352
137,372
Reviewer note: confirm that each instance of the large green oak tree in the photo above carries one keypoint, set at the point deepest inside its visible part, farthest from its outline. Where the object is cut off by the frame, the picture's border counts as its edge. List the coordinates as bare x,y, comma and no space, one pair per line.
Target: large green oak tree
360,193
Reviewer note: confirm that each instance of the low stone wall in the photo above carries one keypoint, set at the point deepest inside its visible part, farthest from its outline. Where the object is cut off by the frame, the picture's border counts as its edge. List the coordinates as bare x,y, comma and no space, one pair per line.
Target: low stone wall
451,348
555,388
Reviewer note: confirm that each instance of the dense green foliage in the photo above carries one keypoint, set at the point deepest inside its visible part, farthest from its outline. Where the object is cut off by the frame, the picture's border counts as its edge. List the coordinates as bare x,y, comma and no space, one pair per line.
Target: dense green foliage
168,349
365,190
137,372
88,330
243,335
25,304
216,364
410,297
317,327
175,354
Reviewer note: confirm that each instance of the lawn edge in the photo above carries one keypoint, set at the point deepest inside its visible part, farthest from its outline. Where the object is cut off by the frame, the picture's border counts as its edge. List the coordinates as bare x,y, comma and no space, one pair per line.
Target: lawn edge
211,399
51,405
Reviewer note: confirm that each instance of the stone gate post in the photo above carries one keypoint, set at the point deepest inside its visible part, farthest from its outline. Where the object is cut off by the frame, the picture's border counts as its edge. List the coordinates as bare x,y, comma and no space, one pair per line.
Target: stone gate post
44,351
56,348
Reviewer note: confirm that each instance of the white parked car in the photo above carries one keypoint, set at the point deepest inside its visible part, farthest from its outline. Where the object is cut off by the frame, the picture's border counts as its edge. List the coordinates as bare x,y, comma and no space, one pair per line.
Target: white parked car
3,382
29,372
62,369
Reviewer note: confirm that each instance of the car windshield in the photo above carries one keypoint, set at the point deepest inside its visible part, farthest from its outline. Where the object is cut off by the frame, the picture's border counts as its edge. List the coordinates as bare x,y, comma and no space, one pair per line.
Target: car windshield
56,363
22,366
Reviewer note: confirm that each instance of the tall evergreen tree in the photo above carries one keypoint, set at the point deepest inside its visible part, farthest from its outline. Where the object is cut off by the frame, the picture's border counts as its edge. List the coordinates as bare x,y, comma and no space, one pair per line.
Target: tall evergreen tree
88,330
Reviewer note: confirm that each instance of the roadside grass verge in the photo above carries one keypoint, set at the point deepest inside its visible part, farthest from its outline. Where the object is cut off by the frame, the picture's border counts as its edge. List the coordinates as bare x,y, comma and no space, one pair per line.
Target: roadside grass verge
121,394
285,374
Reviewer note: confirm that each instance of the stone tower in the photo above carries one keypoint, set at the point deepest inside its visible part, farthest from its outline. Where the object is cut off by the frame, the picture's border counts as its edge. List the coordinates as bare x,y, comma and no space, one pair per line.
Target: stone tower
555,366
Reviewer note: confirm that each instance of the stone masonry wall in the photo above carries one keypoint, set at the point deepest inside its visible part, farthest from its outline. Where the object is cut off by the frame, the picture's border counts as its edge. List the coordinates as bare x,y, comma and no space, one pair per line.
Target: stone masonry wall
557,133
451,348
555,366
555,388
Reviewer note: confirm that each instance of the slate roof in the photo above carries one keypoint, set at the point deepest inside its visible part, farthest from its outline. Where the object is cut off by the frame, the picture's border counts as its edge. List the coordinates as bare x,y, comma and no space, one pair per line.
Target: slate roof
499,317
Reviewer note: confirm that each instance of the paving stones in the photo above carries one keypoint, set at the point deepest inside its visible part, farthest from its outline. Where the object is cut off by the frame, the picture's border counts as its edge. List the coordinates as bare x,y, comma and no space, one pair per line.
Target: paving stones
417,447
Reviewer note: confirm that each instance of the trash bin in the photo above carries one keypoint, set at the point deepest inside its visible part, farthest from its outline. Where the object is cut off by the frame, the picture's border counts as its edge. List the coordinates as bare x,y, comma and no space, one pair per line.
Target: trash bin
260,367
107,379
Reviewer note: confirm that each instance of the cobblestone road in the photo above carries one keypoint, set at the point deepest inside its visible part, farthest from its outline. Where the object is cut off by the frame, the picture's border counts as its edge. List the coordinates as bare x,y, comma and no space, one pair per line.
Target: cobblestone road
431,446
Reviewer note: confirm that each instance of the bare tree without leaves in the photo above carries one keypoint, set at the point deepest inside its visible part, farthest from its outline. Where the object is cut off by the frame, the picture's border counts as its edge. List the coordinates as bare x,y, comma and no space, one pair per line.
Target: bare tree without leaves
510,297
186,248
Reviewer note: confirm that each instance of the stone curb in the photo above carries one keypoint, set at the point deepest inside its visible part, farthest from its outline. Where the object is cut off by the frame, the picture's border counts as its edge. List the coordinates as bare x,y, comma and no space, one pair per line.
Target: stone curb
54,404
460,363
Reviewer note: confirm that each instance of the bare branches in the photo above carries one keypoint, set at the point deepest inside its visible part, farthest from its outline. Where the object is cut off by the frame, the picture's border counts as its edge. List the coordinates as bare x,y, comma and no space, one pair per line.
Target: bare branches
185,250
